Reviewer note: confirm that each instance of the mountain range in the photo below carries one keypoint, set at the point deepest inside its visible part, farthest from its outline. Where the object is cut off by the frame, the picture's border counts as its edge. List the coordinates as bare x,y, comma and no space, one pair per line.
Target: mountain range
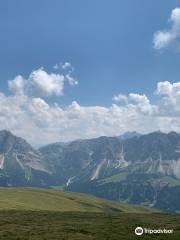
135,168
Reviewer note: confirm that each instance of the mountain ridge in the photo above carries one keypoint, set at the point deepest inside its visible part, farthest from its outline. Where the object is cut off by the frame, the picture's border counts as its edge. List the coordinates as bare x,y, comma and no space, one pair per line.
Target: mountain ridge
138,170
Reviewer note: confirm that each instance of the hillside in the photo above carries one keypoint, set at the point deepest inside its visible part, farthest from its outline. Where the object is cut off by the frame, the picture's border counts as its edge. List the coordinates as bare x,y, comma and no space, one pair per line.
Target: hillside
55,200
42,214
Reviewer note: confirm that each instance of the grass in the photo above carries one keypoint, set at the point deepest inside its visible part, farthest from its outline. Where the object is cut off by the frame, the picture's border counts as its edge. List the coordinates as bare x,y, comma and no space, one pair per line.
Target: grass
171,181
61,187
115,178
47,225
57,200
42,214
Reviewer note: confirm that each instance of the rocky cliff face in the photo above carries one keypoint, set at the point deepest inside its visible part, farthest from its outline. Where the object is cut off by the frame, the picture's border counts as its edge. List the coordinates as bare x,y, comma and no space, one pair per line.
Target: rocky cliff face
155,153
20,164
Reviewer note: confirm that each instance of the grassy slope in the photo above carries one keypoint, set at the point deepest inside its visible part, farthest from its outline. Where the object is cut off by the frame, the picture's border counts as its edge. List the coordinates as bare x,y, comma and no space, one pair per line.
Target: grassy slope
41,214
55,200
115,178
172,182
47,225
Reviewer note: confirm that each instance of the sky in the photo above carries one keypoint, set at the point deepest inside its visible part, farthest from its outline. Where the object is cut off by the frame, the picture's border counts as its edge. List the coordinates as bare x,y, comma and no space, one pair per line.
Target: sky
87,68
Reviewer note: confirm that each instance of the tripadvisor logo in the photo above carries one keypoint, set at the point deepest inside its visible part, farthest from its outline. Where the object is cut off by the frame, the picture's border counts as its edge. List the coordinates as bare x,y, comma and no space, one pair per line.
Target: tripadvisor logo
140,231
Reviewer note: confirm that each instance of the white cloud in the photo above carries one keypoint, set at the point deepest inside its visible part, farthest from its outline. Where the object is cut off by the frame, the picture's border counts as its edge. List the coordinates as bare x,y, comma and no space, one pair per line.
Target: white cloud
33,118
65,66
139,99
17,85
140,102
169,104
132,97
71,80
41,83
120,98
163,38
48,84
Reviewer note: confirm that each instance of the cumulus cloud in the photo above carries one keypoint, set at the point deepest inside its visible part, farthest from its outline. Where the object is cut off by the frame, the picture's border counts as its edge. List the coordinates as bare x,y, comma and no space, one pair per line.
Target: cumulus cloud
132,98
169,104
163,38
41,83
138,101
120,98
17,85
33,118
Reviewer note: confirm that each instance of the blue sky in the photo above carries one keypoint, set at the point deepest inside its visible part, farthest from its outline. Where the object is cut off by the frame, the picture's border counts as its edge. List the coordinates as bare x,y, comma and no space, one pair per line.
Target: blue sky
125,56
108,42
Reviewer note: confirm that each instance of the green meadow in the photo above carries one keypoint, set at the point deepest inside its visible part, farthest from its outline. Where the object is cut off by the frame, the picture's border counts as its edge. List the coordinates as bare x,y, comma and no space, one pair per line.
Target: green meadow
35,214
